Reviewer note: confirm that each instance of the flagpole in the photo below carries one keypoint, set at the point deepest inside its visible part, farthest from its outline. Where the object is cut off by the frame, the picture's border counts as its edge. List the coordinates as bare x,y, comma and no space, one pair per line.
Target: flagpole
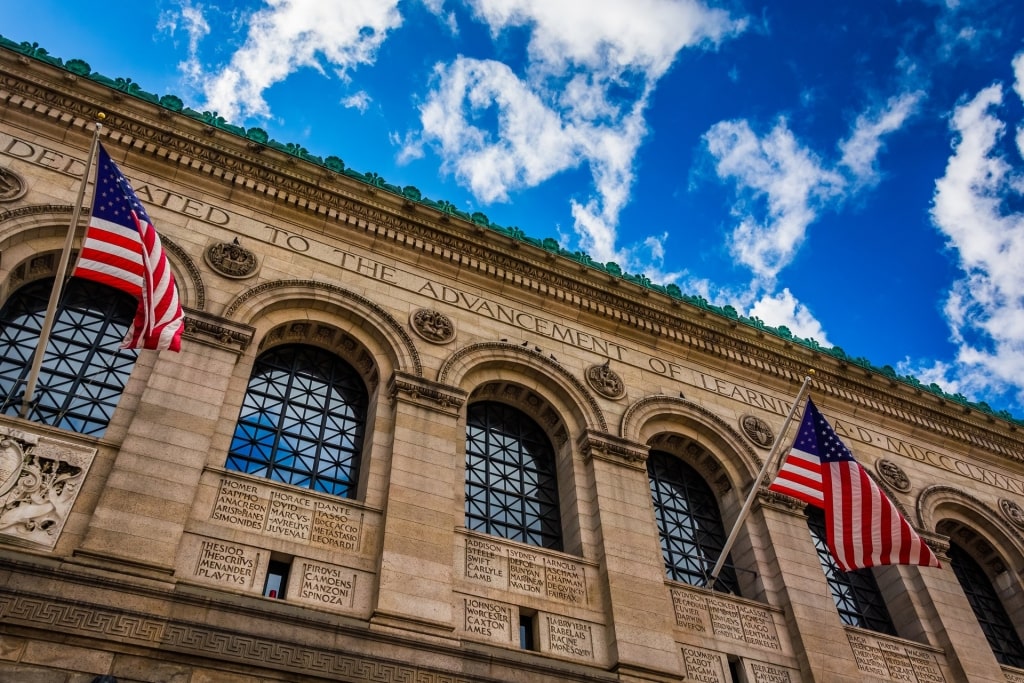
745,511
58,285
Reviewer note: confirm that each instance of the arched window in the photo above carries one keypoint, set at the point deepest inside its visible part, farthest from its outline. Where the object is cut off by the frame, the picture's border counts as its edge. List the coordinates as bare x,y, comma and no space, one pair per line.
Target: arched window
511,485
689,523
84,370
995,622
856,593
302,420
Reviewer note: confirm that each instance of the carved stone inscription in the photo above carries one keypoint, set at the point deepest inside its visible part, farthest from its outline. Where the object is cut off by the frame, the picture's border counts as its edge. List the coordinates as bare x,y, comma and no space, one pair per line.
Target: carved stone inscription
489,619
227,563
327,585
703,666
736,621
769,673
289,515
570,637
894,661
691,611
484,561
1013,676
525,571
39,483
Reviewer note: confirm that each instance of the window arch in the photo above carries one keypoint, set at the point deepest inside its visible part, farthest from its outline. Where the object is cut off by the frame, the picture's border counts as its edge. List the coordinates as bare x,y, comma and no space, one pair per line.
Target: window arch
511,482
988,609
302,420
84,370
689,523
858,599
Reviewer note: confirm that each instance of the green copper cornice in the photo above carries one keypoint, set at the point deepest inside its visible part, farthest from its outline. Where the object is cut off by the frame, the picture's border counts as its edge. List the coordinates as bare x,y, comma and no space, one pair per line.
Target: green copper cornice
258,136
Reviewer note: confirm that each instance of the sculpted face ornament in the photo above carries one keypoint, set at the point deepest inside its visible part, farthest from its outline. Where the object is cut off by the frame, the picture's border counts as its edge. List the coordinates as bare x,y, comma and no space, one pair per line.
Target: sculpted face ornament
434,326
231,259
893,475
605,381
11,186
757,430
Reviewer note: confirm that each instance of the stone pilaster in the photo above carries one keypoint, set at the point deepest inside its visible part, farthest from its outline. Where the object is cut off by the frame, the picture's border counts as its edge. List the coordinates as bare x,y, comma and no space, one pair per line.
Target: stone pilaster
415,570
639,609
143,508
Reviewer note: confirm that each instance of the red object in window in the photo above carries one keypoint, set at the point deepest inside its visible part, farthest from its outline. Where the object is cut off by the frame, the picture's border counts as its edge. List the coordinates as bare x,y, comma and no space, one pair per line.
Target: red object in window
273,594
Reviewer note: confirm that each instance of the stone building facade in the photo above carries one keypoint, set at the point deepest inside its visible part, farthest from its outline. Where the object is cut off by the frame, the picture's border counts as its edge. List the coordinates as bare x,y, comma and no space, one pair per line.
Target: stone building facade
402,443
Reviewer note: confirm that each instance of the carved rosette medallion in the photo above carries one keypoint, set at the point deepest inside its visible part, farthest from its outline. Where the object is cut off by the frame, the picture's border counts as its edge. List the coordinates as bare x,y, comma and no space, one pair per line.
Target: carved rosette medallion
1013,512
434,326
757,430
11,185
231,260
893,475
605,381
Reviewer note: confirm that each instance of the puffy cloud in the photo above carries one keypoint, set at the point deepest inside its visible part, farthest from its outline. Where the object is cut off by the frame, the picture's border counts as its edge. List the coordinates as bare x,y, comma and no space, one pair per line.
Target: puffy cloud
290,34
985,308
783,186
191,20
360,100
786,181
783,308
579,100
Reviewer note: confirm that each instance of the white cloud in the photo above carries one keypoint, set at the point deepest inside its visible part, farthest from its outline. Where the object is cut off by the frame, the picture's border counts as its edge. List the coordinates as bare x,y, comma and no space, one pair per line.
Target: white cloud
290,34
783,308
360,100
860,150
499,130
779,174
190,19
783,186
985,308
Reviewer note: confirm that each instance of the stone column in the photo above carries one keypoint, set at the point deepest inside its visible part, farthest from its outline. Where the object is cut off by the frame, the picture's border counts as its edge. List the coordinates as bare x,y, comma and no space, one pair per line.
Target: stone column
792,578
639,608
145,503
947,620
418,545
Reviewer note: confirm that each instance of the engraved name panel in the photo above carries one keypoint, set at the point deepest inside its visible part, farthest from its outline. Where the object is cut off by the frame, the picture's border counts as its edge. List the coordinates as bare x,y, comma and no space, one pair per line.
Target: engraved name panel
488,619
703,666
699,613
485,562
288,514
525,571
768,673
894,660
324,585
570,637
226,564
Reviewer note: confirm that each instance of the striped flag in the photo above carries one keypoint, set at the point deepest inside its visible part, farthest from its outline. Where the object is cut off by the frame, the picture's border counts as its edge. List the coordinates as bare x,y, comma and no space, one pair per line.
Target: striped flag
863,527
122,249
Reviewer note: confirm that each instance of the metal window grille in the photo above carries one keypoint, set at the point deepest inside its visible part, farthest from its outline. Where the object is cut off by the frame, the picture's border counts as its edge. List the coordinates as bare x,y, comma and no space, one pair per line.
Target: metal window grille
511,485
84,370
856,593
689,523
302,421
992,616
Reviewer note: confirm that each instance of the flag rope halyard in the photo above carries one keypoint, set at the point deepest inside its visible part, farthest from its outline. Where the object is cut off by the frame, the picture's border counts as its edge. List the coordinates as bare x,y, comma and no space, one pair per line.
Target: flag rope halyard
749,502
58,283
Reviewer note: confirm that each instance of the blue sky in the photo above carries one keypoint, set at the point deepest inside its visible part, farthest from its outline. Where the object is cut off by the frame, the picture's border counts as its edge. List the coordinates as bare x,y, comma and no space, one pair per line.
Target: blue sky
851,170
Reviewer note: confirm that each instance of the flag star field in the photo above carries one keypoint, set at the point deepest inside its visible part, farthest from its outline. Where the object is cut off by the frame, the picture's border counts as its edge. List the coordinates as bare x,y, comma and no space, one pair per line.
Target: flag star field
851,171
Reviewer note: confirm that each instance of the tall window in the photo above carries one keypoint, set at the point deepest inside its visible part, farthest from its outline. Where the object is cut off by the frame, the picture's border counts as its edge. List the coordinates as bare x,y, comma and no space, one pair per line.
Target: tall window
302,421
84,370
991,615
689,523
856,593
511,486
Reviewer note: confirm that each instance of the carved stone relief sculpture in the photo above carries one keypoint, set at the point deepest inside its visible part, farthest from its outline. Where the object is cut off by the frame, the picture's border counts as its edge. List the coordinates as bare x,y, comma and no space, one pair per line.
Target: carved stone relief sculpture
40,478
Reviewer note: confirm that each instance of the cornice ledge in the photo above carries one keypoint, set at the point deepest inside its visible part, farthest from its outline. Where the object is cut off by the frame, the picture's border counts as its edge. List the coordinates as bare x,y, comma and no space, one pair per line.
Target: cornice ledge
597,445
218,332
780,501
422,391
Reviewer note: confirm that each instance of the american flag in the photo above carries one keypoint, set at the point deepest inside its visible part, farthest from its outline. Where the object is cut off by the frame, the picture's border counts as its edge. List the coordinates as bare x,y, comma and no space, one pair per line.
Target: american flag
122,249
863,527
